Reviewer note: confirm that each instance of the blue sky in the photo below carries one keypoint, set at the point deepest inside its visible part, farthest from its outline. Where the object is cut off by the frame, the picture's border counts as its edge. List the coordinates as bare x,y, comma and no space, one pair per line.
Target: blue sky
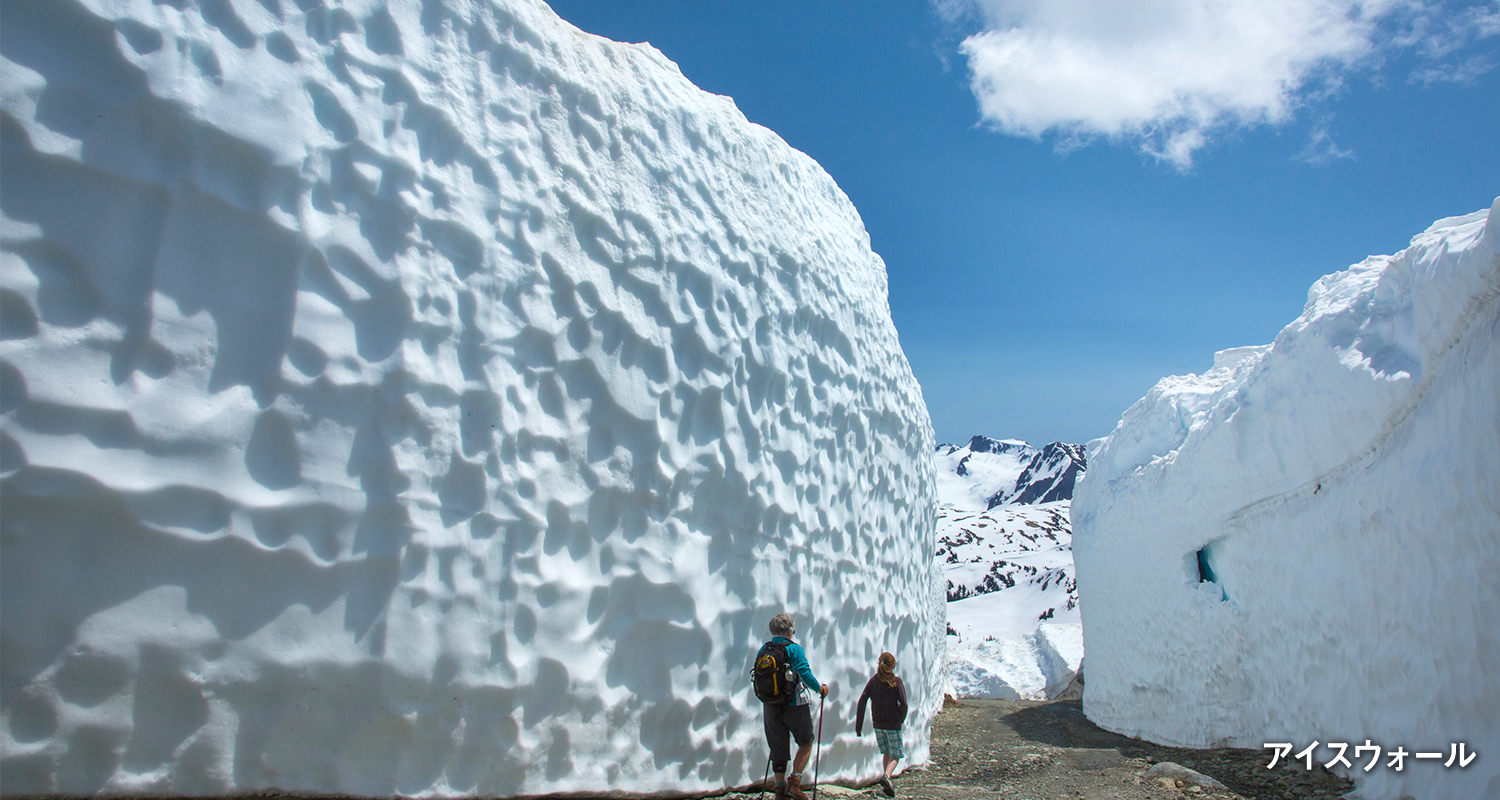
1070,228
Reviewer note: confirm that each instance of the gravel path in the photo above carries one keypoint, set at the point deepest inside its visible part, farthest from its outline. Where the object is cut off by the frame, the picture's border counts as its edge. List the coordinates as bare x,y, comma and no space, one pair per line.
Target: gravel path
1034,750
986,749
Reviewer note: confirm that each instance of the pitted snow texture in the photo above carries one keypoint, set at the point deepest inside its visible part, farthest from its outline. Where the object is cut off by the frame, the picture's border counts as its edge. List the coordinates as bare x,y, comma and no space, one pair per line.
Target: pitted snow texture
1301,545
430,398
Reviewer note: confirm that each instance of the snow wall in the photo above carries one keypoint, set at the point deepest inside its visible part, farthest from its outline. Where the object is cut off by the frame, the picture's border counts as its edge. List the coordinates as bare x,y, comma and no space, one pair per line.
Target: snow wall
1343,488
430,399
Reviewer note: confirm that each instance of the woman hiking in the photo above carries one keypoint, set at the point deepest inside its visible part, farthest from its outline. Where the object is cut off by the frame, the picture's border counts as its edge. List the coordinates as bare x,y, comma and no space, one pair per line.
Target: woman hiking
886,694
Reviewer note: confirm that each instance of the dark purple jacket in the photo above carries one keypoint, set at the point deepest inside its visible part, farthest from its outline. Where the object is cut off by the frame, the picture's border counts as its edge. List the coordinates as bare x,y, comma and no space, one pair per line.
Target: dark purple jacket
887,705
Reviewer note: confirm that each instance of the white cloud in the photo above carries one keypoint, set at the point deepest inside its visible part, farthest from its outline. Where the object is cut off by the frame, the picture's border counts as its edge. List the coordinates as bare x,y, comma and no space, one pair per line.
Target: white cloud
1167,74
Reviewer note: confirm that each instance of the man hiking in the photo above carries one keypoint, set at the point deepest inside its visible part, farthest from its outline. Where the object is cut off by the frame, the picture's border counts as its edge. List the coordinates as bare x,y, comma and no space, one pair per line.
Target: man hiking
778,667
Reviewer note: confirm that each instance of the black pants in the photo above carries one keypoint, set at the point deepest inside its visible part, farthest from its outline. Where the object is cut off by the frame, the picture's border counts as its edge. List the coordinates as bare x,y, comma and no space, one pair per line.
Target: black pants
784,723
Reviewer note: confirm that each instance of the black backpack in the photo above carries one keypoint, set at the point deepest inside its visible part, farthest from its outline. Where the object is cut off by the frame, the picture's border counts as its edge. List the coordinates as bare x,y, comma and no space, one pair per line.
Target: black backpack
772,676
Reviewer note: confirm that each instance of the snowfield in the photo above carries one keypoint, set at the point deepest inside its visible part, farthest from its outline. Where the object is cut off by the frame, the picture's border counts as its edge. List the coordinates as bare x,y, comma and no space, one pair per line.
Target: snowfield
1301,544
430,399
1014,629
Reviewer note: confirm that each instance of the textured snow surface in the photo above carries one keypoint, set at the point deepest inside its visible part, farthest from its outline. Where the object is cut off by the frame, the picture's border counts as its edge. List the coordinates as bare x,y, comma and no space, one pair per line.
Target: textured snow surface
1007,568
430,398
1343,487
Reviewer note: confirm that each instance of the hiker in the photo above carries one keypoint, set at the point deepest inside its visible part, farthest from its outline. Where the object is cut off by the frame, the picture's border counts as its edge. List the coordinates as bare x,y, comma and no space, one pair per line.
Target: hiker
886,694
778,666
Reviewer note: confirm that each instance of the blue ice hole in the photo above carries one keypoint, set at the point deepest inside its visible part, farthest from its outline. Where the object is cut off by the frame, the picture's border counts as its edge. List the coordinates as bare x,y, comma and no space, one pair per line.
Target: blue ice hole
1206,572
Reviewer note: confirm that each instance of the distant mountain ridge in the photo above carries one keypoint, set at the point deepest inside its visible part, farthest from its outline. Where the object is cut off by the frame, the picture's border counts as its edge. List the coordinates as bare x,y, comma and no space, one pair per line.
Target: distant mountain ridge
996,472
1049,476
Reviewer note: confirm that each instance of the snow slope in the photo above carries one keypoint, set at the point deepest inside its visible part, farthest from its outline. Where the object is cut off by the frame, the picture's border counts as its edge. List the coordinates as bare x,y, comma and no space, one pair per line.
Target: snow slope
429,399
1301,544
1048,478
1008,568
1013,617
969,475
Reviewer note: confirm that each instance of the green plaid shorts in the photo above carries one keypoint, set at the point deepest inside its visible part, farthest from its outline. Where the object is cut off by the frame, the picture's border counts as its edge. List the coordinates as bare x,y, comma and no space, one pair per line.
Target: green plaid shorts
890,742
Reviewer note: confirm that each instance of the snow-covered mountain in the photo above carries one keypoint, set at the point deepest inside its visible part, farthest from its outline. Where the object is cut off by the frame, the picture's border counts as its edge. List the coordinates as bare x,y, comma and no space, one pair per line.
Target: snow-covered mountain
1301,544
1047,478
429,399
974,550
1008,565
993,472
970,475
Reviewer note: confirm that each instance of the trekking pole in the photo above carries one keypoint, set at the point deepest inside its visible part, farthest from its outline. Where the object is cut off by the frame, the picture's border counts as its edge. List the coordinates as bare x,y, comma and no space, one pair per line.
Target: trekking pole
819,757
766,778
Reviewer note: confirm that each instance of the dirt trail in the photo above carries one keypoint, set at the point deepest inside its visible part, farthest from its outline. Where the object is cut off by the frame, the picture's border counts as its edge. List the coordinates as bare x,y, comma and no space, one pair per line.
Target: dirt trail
984,749
1034,750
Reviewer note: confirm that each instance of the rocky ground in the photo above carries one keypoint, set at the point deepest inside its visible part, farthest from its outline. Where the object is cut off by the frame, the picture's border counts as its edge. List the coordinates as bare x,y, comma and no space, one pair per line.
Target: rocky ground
1036,750
984,749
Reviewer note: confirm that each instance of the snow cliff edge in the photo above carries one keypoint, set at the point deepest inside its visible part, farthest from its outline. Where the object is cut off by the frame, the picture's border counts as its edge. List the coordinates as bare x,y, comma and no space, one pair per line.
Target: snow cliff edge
1301,544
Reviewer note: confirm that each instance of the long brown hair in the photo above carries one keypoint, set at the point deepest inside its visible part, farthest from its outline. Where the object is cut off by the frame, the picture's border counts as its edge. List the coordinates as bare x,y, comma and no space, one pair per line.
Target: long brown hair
886,669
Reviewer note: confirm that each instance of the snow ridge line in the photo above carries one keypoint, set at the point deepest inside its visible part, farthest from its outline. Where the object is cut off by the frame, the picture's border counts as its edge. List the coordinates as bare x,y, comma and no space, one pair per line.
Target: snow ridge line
1473,311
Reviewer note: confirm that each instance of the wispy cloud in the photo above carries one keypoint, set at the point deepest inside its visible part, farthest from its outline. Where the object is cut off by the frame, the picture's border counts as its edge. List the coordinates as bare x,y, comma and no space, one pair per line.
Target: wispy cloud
1321,148
1170,74
1462,72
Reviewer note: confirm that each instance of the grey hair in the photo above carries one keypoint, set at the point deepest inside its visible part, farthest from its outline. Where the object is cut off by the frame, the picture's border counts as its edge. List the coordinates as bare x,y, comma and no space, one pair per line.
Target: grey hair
782,625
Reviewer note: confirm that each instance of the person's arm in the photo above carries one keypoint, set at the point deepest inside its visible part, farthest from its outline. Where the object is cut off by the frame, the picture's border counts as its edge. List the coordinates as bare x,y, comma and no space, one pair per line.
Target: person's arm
859,715
798,657
901,698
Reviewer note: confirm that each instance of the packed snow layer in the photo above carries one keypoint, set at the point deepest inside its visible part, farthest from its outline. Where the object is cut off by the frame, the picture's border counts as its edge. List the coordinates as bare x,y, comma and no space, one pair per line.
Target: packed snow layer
430,399
1301,544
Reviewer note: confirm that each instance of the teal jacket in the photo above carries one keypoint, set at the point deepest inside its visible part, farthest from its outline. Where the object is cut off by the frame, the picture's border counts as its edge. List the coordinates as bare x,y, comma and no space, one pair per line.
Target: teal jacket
795,654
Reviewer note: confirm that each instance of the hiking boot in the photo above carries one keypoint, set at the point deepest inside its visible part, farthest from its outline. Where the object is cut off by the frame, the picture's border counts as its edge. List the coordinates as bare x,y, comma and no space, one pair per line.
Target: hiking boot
794,788
886,786
780,791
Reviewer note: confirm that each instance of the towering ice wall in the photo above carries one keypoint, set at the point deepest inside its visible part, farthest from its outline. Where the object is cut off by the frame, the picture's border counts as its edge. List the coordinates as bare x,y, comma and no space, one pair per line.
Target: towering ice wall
429,398
1302,544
